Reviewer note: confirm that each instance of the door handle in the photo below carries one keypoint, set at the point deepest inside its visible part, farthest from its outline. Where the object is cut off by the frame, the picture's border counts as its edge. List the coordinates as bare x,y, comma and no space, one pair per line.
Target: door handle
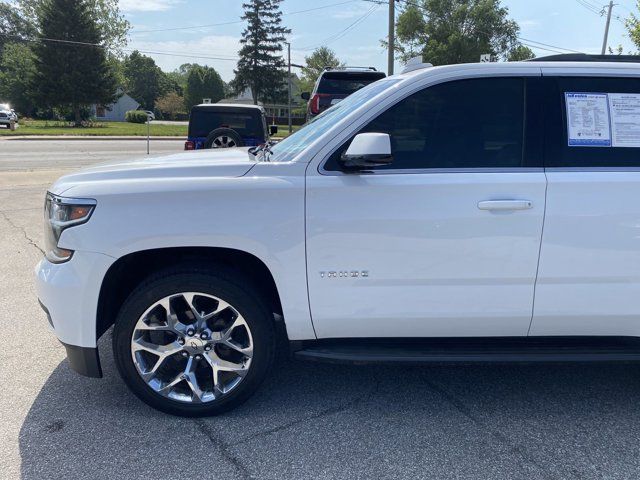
505,205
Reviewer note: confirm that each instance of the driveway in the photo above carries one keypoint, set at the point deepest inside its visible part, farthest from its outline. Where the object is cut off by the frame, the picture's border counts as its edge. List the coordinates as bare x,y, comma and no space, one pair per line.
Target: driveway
309,420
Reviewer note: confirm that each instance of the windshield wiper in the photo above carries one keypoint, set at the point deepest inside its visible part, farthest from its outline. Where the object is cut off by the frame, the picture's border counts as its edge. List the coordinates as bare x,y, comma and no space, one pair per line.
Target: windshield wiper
265,149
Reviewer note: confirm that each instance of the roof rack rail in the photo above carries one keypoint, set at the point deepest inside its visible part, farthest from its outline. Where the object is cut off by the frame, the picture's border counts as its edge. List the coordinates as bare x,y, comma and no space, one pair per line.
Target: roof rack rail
415,63
587,57
374,69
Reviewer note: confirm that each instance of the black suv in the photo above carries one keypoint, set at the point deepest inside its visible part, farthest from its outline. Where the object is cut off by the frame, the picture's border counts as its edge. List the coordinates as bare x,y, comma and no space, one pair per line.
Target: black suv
335,84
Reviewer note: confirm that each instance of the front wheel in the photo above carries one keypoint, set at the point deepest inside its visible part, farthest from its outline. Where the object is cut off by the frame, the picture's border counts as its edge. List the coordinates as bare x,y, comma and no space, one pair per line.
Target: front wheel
192,343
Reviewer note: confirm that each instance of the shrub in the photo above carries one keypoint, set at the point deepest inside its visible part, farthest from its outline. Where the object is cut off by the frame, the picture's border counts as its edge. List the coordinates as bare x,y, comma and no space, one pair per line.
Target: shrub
136,116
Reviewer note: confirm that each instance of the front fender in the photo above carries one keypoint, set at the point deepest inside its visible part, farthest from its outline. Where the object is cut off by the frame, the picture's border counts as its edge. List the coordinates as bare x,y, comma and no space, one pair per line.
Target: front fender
260,215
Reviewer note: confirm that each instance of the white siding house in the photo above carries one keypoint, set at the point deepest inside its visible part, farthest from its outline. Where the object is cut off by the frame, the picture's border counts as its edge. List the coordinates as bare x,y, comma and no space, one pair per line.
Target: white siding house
116,111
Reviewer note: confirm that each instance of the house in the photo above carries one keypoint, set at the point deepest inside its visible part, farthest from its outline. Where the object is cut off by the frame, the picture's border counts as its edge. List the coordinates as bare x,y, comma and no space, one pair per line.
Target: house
115,112
276,112
245,98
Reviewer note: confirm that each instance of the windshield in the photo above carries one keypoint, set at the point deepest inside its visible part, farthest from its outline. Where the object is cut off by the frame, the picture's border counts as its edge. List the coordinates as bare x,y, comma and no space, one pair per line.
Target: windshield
287,149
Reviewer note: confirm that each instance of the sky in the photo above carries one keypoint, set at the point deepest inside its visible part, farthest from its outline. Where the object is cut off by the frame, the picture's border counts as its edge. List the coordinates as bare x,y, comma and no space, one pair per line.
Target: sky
208,31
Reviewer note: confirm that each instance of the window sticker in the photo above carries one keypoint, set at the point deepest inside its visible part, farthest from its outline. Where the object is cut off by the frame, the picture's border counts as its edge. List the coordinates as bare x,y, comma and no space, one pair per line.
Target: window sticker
624,110
588,121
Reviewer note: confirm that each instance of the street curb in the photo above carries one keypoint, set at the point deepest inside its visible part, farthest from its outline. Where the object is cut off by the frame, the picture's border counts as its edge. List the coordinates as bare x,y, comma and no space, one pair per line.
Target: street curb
80,137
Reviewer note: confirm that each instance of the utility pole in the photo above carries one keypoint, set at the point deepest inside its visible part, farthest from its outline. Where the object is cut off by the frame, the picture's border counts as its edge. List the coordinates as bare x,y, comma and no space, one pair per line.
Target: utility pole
606,29
289,83
392,36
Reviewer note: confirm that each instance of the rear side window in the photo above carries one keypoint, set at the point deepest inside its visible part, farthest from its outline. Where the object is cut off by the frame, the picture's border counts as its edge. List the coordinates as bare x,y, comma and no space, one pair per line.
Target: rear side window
562,149
475,123
345,83
202,122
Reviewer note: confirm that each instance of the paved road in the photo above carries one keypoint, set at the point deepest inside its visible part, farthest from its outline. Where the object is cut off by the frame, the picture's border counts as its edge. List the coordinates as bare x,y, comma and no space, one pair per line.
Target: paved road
16,155
309,420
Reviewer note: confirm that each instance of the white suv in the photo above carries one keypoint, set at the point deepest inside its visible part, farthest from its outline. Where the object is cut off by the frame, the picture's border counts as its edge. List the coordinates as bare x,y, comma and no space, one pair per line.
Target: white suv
485,212
7,115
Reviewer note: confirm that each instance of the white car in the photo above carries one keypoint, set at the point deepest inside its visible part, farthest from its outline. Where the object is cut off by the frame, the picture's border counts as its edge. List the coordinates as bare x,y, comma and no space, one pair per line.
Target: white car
485,212
7,115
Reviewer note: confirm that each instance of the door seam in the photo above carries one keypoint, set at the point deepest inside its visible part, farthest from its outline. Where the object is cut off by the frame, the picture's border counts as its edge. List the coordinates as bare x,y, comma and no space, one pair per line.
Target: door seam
535,282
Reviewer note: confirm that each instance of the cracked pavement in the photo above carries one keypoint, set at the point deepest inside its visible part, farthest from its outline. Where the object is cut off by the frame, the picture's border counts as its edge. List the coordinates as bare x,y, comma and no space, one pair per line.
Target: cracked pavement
309,420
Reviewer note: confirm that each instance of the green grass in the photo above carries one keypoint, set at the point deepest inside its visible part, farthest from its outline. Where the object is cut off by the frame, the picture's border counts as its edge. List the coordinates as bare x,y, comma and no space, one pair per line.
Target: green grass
111,129
49,127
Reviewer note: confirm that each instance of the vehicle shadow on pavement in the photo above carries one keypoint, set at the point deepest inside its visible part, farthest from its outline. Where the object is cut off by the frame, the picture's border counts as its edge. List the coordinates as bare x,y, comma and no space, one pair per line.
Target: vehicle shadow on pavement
334,421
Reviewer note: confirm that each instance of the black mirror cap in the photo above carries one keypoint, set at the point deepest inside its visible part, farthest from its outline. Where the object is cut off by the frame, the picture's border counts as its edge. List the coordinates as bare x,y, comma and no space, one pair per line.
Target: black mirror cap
305,96
273,129
361,162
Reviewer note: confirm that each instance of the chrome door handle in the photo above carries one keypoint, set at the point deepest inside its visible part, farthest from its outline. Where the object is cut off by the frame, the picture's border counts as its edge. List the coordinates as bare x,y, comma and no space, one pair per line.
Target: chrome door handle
505,205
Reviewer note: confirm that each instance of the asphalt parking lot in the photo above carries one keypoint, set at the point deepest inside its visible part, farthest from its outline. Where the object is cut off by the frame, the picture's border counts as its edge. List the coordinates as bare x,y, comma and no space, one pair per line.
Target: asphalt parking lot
309,420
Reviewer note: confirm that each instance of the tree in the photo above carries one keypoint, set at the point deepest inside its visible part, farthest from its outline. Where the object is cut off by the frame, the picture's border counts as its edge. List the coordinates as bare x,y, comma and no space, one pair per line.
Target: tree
202,82
261,66
13,26
455,31
111,23
315,63
519,53
16,67
171,105
633,27
144,80
71,76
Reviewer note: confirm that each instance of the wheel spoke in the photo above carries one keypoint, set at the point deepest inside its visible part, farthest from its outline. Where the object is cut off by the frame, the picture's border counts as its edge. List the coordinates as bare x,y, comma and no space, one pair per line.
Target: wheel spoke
158,350
246,351
225,365
199,316
167,387
154,328
192,381
227,332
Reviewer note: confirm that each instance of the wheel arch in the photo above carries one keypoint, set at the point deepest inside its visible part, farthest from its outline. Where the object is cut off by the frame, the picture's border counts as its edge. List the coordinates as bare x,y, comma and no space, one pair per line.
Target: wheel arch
130,270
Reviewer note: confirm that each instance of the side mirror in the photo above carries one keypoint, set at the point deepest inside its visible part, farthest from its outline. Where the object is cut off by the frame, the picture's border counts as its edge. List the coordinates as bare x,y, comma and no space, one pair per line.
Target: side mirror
367,150
273,129
305,96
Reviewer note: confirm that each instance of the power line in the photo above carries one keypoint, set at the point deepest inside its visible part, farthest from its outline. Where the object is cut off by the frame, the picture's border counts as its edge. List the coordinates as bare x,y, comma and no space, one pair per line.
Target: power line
546,45
591,7
344,31
104,47
235,22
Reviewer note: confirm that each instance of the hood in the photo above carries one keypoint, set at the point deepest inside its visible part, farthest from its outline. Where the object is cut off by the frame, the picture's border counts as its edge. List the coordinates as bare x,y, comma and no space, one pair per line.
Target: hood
225,163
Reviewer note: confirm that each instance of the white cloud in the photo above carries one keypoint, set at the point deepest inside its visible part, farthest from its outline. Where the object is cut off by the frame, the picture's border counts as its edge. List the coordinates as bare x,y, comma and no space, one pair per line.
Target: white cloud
147,5
195,51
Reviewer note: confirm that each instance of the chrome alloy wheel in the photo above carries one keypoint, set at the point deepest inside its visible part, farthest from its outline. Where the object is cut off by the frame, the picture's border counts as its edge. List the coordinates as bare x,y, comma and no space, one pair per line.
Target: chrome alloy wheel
223,141
192,347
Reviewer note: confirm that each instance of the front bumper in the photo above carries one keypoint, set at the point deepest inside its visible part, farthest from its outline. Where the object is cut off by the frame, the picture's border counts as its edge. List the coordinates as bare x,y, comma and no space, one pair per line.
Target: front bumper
69,294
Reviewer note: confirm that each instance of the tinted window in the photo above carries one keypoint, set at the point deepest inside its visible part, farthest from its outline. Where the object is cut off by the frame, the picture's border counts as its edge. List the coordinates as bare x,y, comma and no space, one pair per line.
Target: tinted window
558,153
202,122
463,124
345,83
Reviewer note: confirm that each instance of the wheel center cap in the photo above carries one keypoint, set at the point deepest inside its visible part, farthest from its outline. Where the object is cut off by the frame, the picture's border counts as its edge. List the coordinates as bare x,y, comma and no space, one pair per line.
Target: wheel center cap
194,345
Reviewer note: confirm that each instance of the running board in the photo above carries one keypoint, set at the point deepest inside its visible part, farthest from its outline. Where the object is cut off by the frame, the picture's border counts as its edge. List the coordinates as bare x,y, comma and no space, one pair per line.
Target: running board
477,350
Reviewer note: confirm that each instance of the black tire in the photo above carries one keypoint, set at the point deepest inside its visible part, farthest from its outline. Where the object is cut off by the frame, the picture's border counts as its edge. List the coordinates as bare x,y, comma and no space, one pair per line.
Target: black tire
228,133
219,282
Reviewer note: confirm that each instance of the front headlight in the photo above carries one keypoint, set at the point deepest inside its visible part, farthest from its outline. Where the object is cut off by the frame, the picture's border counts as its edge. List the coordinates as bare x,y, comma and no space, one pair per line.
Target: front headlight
61,213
